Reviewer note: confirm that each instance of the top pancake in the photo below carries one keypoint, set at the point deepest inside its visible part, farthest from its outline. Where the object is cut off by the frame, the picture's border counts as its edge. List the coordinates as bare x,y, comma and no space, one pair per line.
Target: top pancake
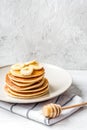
35,73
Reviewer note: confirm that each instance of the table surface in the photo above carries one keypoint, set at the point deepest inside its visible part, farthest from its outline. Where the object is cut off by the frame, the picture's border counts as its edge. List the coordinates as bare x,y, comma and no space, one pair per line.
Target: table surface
78,120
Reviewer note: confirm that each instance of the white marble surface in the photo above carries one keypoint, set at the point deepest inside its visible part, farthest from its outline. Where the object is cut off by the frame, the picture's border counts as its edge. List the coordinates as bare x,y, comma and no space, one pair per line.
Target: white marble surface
52,31
77,121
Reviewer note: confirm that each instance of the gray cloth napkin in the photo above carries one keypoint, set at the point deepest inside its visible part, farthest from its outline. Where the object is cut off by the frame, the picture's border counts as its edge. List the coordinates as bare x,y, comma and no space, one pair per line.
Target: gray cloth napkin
33,111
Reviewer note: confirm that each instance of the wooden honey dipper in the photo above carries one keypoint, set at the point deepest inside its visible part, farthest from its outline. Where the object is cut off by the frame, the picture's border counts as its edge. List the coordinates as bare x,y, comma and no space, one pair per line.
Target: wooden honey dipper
53,110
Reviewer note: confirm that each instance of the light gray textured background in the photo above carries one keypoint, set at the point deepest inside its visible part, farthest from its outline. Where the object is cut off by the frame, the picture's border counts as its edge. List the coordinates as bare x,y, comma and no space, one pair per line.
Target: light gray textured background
52,31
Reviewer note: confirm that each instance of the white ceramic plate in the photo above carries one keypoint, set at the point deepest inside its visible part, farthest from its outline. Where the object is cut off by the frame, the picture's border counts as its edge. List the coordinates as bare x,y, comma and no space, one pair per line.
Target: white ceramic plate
59,82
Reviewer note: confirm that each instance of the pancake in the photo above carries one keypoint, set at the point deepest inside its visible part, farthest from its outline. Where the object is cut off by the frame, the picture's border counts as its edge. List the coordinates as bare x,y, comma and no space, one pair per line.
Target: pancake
20,81
26,96
33,90
15,87
35,73
26,81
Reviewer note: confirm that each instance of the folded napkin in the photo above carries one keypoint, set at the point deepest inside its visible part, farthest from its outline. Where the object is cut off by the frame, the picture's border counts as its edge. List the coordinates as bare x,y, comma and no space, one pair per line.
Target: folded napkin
33,111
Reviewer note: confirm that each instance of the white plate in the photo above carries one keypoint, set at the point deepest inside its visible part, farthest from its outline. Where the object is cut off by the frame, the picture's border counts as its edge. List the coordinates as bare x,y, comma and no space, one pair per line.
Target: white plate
59,80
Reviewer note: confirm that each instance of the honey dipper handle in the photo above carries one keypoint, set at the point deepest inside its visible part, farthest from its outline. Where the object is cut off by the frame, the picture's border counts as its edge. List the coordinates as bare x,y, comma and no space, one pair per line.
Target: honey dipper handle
73,106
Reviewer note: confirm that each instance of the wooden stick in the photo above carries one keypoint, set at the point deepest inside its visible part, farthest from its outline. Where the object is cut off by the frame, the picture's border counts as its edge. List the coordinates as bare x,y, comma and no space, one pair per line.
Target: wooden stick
73,106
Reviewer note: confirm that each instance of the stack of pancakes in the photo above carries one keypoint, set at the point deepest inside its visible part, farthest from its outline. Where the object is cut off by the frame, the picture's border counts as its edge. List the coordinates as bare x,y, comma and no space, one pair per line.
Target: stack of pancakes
26,80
